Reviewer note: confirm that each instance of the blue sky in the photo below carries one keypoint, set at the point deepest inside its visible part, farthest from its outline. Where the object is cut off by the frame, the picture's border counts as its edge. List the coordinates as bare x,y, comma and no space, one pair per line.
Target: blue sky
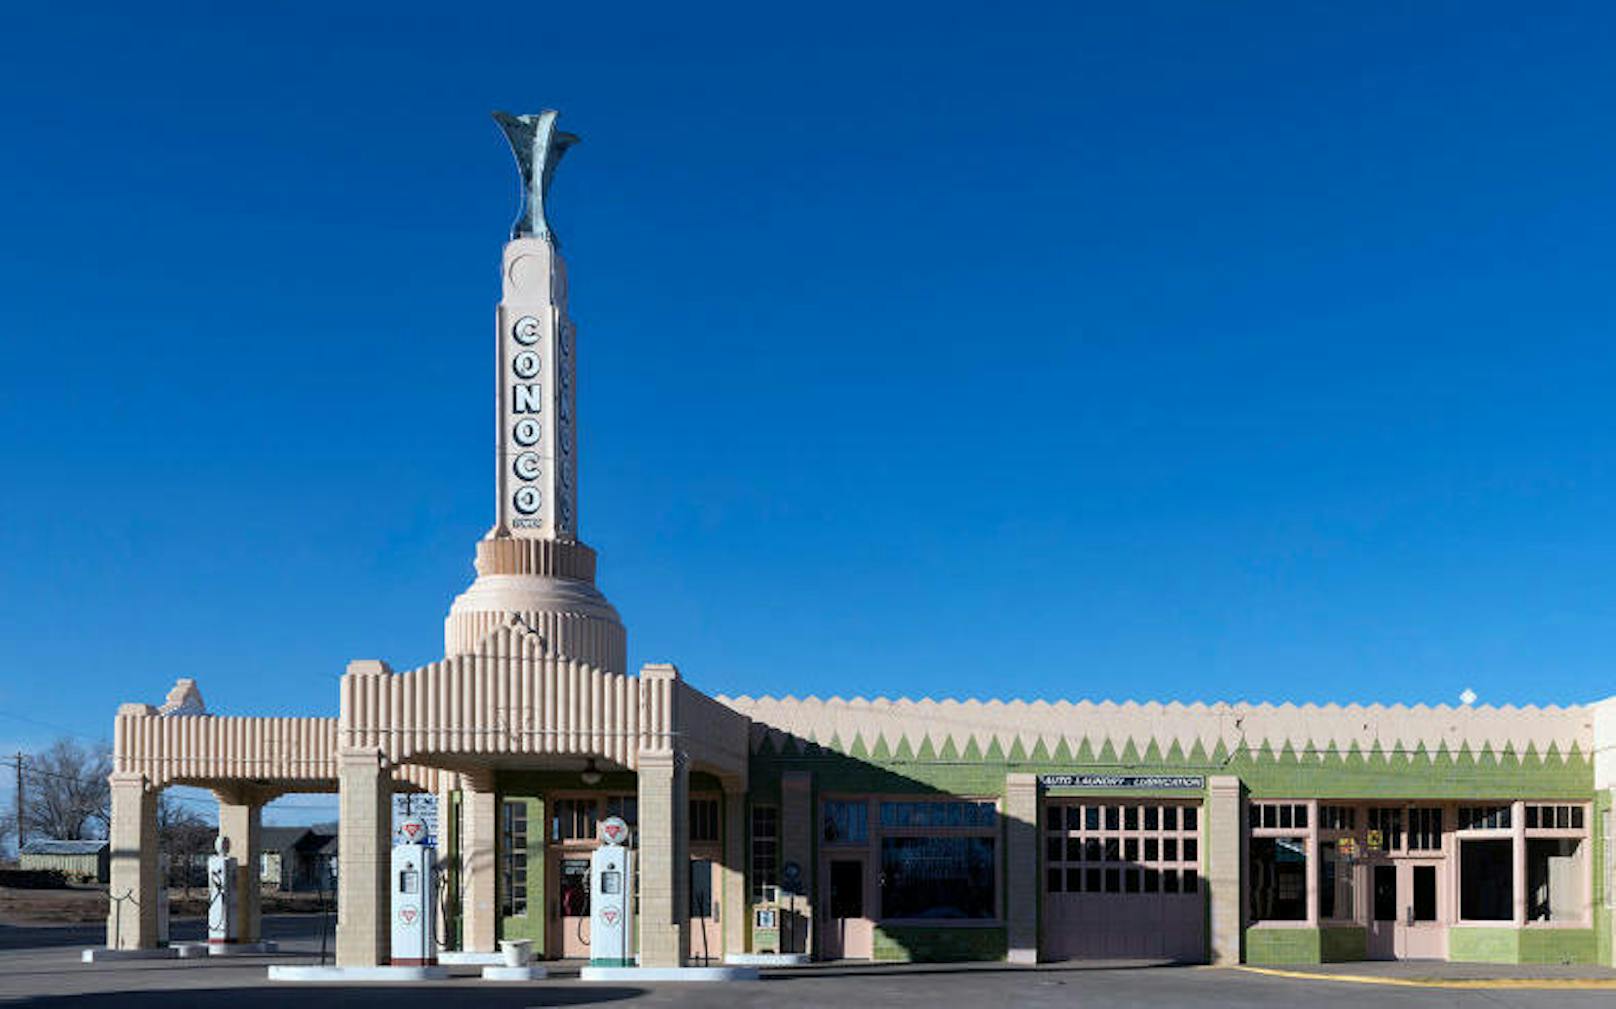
1155,350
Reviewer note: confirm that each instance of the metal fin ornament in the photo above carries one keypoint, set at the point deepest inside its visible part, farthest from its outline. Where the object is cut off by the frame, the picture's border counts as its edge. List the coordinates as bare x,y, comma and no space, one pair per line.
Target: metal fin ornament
538,147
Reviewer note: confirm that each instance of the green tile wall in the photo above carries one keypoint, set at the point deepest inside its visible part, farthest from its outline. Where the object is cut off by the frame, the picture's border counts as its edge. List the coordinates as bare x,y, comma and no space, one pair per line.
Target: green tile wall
1285,774
1283,945
919,944
1558,945
1339,945
1484,945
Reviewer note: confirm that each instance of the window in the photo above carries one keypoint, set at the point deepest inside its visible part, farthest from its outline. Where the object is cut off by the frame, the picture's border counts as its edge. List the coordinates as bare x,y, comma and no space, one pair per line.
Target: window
937,877
513,858
765,850
1424,893
954,813
1554,877
701,888
1146,843
1483,817
846,822
1486,880
703,819
1425,829
574,820
1338,818
1554,817
1278,878
1277,816
1336,897
1387,821
625,807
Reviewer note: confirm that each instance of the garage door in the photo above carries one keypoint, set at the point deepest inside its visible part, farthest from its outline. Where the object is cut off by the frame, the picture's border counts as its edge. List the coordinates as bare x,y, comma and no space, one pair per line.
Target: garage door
1123,879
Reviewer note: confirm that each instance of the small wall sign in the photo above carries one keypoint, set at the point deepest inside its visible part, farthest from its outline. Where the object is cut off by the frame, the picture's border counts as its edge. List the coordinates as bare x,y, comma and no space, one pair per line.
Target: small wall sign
1140,781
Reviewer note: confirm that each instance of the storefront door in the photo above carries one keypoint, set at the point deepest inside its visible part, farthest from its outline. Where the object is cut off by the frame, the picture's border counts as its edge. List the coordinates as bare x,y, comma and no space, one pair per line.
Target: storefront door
569,905
848,931
1421,933
1406,920
520,880
706,937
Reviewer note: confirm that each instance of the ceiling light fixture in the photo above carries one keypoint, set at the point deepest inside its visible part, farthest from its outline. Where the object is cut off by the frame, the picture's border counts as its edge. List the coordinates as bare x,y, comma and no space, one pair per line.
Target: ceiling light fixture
591,774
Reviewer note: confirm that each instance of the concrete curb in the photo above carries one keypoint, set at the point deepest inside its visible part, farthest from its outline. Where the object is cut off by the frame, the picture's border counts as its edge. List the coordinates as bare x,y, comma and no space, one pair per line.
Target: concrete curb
668,974
289,972
100,954
514,974
766,959
1478,983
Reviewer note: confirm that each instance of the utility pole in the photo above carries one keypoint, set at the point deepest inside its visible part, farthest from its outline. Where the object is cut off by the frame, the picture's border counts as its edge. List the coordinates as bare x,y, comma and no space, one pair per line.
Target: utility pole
19,806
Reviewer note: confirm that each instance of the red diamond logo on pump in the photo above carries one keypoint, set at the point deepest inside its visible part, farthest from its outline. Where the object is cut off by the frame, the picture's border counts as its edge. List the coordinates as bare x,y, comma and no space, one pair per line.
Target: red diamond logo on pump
614,830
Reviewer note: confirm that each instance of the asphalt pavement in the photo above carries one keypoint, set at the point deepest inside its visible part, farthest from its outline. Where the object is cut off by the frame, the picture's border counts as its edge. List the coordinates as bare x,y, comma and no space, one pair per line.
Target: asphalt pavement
48,973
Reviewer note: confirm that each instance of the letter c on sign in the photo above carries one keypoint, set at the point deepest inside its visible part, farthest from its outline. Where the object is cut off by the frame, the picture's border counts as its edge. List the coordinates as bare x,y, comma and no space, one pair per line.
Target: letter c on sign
527,330
527,466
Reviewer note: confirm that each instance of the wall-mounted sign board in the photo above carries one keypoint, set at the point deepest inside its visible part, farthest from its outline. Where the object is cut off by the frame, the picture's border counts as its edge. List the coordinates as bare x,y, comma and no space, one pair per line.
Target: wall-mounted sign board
1123,781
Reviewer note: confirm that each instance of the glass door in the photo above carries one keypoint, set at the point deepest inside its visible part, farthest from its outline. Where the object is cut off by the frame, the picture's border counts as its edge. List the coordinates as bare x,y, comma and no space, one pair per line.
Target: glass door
569,910
1421,931
520,869
1383,911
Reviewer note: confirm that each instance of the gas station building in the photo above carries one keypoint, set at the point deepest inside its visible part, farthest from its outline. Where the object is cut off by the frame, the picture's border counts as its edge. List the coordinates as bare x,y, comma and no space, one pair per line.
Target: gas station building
861,828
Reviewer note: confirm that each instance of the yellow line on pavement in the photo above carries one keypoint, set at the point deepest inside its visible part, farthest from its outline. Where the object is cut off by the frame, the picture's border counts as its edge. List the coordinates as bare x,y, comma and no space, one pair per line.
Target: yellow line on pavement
1564,984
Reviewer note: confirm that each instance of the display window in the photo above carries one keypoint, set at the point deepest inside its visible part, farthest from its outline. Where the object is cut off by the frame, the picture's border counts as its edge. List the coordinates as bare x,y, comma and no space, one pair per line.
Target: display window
934,860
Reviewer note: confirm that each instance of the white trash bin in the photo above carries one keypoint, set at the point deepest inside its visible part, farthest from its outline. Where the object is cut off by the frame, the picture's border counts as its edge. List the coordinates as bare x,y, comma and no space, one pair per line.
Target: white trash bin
517,951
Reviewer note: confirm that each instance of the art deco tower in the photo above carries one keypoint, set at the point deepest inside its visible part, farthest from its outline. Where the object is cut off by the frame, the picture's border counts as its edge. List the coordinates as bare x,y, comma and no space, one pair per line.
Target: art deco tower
532,564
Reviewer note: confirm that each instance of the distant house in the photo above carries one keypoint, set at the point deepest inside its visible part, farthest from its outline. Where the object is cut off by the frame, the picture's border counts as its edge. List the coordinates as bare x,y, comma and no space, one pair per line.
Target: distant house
83,860
297,858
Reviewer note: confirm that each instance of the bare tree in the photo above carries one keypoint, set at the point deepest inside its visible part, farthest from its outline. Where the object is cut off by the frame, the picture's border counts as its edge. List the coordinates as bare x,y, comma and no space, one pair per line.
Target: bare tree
65,791
185,838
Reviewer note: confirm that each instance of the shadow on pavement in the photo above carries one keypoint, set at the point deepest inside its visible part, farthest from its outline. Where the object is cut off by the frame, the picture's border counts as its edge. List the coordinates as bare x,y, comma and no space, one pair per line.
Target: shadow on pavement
859,968
86,934
343,995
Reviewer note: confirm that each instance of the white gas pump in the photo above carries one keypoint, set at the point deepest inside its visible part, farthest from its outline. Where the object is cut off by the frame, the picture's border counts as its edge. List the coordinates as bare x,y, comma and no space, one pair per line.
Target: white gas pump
413,884
611,897
221,893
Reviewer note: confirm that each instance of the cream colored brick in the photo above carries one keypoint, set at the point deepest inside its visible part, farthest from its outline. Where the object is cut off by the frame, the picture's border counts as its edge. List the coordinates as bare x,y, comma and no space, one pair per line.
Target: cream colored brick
1021,866
364,849
132,912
